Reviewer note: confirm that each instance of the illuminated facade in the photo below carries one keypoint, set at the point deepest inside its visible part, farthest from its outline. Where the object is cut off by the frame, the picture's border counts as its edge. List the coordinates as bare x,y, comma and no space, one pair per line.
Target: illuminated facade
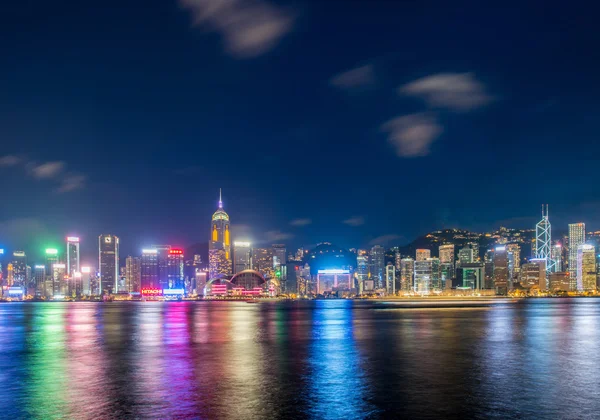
472,276
72,255
533,273
108,263
377,263
423,254
334,280
262,260
586,268
133,274
576,238
557,258
447,254
17,276
59,285
175,269
242,256
514,260
465,256
149,269
543,240
390,279
501,280
39,277
423,275
407,269
219,246
362,266
436,281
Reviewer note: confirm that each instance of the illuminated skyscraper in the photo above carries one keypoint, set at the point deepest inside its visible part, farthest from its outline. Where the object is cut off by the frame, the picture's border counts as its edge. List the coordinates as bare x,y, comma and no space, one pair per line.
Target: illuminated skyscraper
108,263
133,273
576,238
59,272
18,274
219,246
175,269
557,258
390,279
39,275
446,263
51,259
465,255
514,260
241,256
262,260
586,268
423,276
397,260
362,266
436,281
447,253
423,254
533,273
149,269
501,280
377,262
407,270
543,240
162,258
72,255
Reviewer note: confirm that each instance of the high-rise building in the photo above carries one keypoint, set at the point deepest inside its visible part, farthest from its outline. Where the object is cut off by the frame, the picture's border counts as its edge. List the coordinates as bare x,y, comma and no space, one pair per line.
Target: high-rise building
407,270
279,255
556,256
149,269
86,281
59,283
175,269
262,259
362,267
447,253
576,238
543,240
390,279
465,255
18,273
219,246
72,255
242,256
436,279
447,273
472,276
133,274
475,247
501,280
108,263
586,267
423,276
423,254
514,260
377,262
162,261
39,276
533,273
397,260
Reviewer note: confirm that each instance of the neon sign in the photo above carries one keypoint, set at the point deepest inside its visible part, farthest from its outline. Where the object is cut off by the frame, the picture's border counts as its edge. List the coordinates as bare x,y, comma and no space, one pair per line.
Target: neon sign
72,239
173,292
176,251
151,292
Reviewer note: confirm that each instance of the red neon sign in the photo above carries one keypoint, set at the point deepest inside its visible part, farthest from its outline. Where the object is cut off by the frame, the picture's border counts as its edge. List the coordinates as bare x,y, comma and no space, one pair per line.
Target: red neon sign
151,292
176,251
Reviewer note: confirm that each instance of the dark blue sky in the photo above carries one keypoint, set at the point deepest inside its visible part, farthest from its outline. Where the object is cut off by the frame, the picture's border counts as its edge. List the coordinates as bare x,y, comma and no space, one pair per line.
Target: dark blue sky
127,117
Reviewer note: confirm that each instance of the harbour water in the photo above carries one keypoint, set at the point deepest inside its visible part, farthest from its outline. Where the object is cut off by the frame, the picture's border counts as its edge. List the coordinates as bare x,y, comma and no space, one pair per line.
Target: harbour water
336,359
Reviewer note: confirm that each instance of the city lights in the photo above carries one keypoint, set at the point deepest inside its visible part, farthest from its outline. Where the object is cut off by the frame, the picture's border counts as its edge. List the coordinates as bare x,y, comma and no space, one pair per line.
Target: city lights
51,251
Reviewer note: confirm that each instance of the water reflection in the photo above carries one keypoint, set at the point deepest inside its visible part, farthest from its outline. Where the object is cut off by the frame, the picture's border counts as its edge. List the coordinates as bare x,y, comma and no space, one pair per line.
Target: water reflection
321,359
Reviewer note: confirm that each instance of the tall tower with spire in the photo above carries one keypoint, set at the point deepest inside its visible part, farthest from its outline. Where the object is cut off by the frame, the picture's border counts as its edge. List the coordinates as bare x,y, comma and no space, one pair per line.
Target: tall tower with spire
219,245
543,240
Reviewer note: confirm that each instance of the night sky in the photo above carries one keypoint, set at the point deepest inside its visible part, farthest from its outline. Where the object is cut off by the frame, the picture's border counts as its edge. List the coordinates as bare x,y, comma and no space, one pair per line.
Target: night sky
354,122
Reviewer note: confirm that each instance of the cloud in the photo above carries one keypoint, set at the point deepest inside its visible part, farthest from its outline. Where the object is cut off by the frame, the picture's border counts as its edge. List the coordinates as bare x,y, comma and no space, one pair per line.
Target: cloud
72,183
9,160
301,222
56,170
355,78
47,170
355,221
412,134
455,91
277,235
241,232
249,27
384,239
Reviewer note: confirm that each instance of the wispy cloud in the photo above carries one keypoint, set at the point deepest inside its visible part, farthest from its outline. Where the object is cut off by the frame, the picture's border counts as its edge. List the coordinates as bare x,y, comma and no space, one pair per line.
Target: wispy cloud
356,78
301,222
48,169
55,170
354,221
412,135
454,91
385,239
249,27
10,160
277,235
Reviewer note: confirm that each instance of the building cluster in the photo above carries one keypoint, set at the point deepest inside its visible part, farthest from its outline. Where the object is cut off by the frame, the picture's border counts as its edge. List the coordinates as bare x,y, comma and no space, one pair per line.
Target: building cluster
235,268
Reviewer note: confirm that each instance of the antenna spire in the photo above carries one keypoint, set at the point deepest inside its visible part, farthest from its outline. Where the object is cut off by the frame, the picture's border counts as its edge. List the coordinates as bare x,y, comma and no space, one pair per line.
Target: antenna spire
220,199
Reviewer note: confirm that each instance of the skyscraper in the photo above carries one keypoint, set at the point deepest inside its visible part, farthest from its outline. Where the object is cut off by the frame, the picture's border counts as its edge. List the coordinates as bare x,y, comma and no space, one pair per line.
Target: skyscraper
390,279
501,280
39,275
465,255
262,260
447,253
514,260
133,273
423,276
149,269
543,240
377,262
72,255
108,263
446,263
279,255
436,282
162,258
423,254
175,269
18,274
576,238
362,267
241,256
557,257
219,246
586,268
407,270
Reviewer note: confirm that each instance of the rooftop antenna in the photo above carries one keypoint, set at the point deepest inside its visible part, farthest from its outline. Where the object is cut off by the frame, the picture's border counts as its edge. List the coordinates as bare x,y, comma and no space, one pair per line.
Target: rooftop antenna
220,200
